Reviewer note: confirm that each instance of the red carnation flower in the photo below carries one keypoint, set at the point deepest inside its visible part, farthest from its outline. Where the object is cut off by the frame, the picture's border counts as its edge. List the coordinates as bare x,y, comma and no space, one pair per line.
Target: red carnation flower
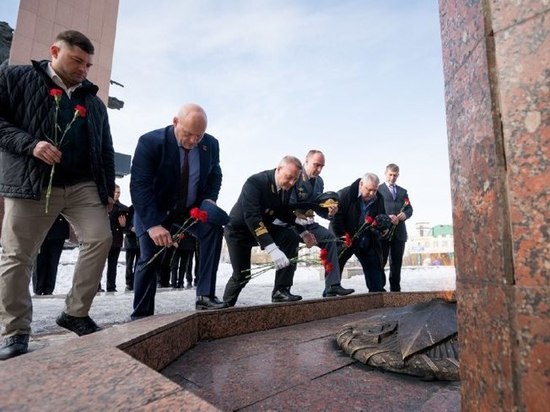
195,213
348,240
198,214
204,216
368,220
56,93
80,110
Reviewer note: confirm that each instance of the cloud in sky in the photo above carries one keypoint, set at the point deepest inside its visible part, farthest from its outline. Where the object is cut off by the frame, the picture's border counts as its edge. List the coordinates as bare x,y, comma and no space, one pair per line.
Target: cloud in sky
361,80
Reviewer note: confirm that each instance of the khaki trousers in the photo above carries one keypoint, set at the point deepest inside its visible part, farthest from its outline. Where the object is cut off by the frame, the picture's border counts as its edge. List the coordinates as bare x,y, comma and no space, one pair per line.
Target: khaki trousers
24,228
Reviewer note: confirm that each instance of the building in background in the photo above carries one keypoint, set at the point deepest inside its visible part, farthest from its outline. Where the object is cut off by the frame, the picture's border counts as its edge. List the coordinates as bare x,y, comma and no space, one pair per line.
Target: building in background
430,245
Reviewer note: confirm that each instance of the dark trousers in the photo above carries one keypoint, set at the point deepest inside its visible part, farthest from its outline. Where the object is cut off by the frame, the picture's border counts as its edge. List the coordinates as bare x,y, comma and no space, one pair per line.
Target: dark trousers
370,261
145,283
394,250
327,240
163,274
182,267
112,263
45,269
240,244
132,256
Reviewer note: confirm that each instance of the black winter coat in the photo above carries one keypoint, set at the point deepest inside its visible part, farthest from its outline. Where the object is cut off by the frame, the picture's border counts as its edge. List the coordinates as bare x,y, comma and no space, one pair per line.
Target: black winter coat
257,207
347,219
26,116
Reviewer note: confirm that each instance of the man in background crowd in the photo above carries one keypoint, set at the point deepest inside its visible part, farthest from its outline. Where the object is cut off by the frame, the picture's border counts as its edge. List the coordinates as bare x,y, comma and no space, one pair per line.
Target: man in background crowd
44,273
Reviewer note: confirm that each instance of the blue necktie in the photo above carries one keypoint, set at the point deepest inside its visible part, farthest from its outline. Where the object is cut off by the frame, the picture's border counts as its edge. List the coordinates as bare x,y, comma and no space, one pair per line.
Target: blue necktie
184,179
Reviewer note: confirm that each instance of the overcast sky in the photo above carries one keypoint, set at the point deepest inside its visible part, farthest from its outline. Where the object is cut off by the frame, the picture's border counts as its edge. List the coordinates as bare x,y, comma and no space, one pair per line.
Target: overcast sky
360,80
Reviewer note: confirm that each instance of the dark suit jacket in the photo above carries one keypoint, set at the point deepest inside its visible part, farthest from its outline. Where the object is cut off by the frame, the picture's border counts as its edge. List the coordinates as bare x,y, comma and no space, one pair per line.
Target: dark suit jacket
393,207
257,207
117,230
347,219
155,174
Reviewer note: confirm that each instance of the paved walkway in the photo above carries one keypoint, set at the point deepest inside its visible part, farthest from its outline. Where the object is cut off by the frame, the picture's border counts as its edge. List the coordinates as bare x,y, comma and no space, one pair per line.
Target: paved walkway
115,308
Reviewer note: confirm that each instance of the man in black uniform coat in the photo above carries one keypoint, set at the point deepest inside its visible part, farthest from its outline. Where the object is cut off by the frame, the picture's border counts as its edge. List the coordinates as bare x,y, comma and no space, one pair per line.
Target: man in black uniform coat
260,217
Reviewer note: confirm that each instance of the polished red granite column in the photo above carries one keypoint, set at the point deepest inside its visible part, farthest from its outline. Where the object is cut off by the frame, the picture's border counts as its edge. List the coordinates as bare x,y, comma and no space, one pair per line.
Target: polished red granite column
496,62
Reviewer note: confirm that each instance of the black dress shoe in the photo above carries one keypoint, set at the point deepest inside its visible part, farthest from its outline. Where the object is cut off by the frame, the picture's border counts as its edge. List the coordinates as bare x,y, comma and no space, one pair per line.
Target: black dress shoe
295,297
79,325
14,346
337,290
209,303
284,295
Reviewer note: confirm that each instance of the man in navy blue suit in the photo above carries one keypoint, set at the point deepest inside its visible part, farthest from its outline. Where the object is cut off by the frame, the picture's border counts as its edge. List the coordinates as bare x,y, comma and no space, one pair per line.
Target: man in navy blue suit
175,169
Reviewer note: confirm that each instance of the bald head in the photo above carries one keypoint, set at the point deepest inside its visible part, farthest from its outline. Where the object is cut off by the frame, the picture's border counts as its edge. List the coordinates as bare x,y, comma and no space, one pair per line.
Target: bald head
315,161
190,125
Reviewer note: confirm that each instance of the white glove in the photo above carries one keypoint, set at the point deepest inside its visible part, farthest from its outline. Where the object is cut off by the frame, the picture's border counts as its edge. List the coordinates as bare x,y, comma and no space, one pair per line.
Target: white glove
279,222
305,221
278,257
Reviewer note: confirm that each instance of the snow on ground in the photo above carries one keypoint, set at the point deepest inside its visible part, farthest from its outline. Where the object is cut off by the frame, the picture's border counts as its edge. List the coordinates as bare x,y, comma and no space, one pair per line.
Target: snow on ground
111,308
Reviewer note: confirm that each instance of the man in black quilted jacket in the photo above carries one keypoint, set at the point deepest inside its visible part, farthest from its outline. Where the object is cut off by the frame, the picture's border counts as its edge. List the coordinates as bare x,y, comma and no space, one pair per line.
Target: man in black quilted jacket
56,157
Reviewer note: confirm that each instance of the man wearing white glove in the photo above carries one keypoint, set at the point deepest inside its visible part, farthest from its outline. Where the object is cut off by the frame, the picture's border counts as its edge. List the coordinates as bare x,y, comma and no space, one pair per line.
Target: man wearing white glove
261,217
278,257
307,189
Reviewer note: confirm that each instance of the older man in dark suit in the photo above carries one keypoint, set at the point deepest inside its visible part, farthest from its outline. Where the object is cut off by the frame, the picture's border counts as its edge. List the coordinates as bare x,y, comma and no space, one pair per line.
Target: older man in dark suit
173,170
358,202
399,209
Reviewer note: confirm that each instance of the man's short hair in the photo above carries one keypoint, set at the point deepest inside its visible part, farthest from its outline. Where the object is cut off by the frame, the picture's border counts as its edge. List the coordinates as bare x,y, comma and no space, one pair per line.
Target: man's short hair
291,159
75,38
393,167
371,177
313,152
